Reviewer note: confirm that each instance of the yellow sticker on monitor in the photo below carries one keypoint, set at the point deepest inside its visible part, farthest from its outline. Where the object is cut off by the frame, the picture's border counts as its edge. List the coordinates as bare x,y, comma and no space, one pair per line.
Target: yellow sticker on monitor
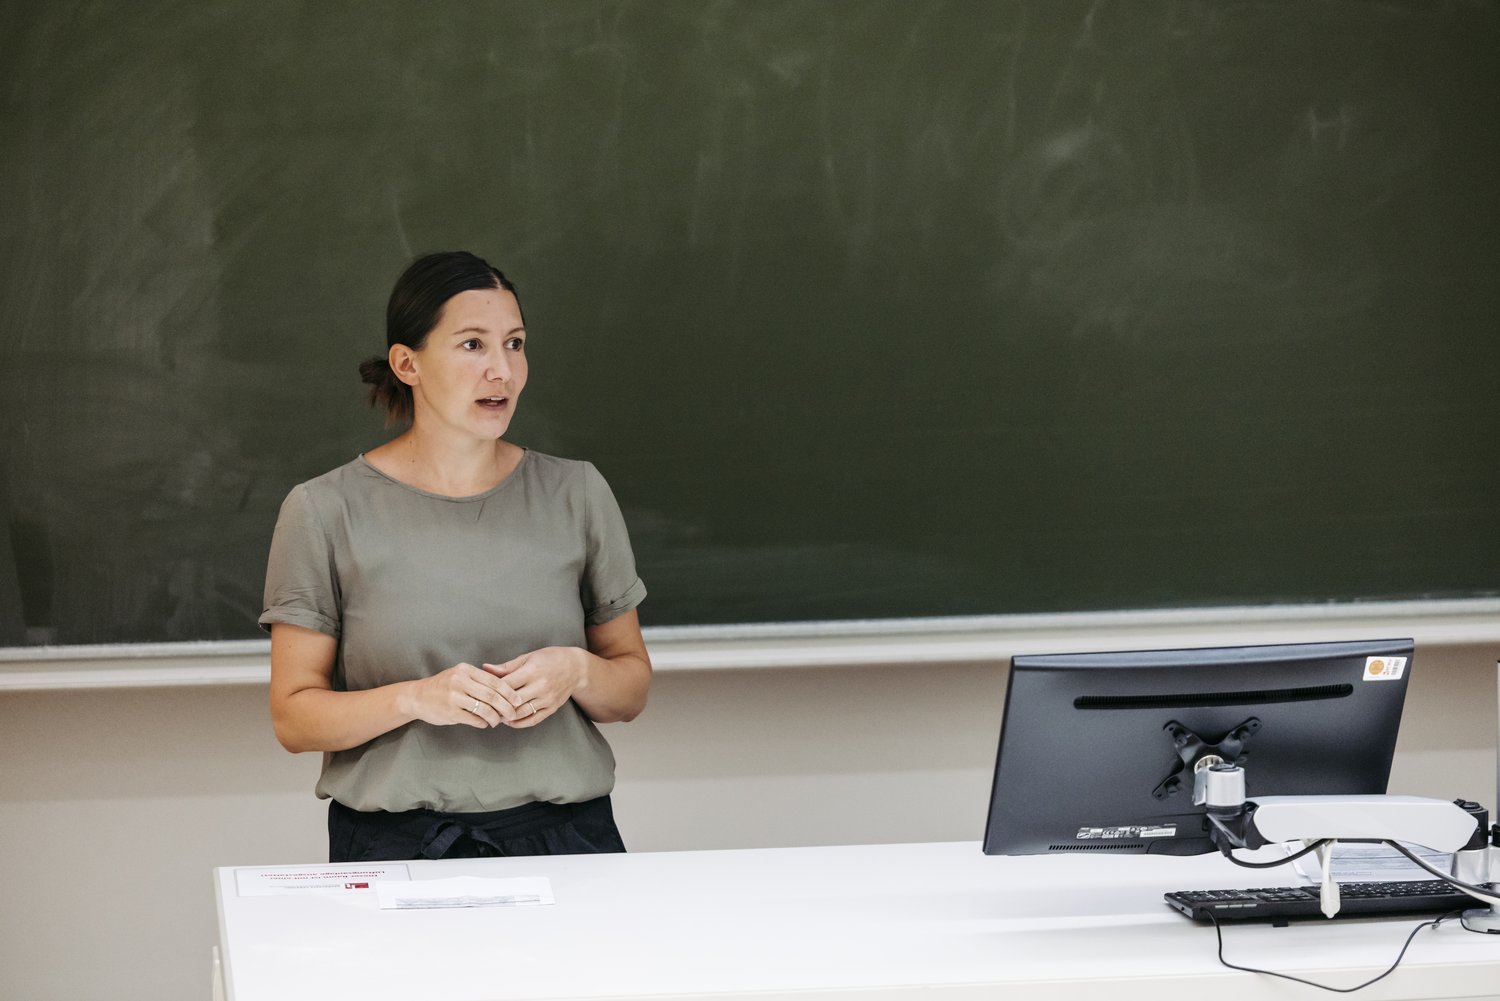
1384,668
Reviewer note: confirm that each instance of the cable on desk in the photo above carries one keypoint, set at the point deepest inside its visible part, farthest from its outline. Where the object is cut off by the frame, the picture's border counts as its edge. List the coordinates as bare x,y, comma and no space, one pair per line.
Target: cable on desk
1219,933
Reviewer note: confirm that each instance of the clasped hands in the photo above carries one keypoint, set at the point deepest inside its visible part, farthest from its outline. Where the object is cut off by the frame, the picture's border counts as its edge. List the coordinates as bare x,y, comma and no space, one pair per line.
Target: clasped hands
519,693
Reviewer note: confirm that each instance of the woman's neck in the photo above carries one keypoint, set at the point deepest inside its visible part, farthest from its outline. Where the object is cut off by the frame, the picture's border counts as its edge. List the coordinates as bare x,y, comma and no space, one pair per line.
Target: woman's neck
440,466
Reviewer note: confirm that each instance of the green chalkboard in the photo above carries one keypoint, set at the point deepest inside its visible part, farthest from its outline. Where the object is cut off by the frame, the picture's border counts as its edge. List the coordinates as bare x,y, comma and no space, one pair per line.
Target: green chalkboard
866,309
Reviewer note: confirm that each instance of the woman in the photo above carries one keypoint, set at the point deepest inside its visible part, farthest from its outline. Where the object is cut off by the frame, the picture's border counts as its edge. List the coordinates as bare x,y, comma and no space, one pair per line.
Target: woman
451,614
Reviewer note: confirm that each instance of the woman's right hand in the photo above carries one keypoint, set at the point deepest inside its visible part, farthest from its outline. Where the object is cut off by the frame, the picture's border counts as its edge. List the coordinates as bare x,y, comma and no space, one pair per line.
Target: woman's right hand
464,694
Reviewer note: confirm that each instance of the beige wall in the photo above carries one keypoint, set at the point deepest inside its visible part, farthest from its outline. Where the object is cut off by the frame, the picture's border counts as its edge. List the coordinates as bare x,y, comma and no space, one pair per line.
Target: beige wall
115,805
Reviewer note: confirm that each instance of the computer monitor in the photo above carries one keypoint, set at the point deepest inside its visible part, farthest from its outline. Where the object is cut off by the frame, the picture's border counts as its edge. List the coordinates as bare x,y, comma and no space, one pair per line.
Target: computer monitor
1098,750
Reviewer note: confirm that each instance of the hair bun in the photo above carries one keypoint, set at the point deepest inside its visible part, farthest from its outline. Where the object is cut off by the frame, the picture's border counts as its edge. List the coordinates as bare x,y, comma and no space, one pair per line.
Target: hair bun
376,370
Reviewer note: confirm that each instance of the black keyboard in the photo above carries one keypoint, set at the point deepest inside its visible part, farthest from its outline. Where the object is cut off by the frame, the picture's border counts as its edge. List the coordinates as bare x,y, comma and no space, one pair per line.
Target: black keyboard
1357,900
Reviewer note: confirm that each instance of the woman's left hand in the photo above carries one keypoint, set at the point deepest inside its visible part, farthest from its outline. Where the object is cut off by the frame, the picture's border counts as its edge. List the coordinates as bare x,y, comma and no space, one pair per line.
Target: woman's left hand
543,680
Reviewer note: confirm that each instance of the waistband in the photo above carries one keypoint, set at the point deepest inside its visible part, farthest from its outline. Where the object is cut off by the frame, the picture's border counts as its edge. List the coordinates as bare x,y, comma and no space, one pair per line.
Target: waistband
437,831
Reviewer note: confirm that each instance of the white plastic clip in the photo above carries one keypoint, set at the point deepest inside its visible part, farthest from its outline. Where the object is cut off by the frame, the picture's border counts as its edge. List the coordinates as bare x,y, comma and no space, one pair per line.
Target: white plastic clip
1328,895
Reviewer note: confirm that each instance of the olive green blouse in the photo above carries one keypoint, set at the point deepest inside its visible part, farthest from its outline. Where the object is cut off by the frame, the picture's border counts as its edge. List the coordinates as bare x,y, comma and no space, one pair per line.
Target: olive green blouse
411,583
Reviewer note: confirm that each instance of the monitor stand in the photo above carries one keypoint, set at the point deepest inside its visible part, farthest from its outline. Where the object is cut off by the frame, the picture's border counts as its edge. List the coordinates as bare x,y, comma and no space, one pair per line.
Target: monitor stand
1192,749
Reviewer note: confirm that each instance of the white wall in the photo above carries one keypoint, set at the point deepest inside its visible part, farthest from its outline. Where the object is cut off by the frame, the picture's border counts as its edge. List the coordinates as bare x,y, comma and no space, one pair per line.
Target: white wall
116,804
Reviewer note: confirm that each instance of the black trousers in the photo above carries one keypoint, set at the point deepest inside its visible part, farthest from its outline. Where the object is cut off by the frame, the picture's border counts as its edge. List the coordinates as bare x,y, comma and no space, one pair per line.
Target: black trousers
532,829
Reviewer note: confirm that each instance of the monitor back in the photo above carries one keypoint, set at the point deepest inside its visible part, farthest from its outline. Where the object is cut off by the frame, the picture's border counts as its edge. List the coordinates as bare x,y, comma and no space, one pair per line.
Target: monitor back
1097,749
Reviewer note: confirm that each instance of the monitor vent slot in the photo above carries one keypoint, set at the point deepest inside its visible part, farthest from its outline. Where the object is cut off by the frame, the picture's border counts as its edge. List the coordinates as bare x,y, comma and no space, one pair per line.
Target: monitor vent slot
1115,846
1192,700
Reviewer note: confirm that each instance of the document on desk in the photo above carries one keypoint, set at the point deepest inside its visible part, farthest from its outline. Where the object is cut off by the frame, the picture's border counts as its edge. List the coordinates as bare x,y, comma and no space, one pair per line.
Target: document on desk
464,891
266,881
1372,863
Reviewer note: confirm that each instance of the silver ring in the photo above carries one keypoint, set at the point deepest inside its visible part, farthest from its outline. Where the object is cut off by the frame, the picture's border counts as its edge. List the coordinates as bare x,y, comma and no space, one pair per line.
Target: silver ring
475,708
532,704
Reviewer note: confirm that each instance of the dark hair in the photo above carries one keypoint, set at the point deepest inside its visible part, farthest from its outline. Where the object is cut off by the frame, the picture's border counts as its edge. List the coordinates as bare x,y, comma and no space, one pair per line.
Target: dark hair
413,310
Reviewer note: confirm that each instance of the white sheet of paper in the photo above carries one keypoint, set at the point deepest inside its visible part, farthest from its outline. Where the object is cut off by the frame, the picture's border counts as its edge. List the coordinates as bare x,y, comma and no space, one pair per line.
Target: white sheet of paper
268,880
1373,863
464,891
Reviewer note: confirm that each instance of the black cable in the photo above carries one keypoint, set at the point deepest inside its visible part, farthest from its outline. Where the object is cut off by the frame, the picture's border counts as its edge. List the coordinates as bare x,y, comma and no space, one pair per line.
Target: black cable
1485,894
1281,861
1312,983
1463,922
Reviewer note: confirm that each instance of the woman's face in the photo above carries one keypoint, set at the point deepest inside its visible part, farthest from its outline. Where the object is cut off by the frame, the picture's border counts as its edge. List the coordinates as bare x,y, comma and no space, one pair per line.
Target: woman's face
468,375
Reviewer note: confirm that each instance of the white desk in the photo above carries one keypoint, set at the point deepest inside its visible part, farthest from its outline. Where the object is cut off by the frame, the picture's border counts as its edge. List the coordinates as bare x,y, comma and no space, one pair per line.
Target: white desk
882,921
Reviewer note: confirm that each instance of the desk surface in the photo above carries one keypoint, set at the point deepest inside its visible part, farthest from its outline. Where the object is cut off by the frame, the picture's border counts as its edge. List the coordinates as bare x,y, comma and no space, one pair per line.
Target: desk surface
869,921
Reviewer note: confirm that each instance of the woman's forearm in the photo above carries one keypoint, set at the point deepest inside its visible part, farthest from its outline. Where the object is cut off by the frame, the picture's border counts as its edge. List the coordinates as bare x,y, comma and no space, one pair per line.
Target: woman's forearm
614,688
319,719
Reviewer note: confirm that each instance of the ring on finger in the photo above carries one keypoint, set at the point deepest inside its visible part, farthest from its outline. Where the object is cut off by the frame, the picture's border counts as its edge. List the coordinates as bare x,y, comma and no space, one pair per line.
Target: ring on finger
475,708
532,704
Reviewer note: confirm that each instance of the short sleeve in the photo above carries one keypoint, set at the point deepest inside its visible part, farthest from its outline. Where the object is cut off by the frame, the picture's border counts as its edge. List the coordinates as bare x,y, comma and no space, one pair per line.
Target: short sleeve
610,587
301,588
